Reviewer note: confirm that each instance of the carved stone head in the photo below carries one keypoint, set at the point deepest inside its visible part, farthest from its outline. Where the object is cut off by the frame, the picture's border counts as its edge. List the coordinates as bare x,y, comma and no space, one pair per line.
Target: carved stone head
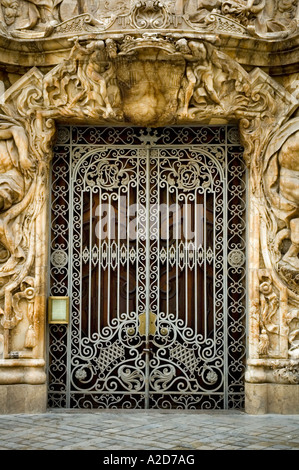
10,9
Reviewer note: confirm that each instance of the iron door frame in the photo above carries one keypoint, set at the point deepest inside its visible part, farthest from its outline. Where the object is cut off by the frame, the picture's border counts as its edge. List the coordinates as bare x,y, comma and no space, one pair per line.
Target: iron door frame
233,259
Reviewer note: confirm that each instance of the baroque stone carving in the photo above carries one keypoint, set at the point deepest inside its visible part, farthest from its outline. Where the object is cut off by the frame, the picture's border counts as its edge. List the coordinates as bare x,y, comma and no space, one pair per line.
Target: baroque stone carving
148,80
194,82
278,207
18,185
17,15
288,374
89,67
268,310
258,18
293,333
280,181
24,15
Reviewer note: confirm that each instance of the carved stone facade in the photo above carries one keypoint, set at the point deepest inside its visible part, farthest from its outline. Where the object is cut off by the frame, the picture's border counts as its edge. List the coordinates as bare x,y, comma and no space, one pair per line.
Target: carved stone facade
153,63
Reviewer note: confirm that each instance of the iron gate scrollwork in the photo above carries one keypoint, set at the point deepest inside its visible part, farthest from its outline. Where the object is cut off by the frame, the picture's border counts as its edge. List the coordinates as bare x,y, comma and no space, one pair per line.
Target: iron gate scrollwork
148,240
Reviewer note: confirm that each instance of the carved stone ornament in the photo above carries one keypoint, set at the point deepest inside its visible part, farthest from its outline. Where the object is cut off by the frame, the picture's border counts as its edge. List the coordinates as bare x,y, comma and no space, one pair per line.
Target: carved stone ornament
272,19
288,375
280,187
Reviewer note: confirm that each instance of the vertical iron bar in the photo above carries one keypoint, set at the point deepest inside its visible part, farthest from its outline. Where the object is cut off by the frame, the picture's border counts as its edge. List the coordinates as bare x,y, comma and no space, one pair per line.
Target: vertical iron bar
128,247
205,264
118,251
195,259
109,261
70,284
159,235
225,275
147,302
167,252
186,259
139,232
178,224
100,261
90,261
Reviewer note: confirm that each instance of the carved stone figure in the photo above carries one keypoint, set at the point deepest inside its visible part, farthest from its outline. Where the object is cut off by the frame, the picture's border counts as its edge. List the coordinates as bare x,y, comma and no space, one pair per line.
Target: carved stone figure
199,80
268,308
289,190
48,11
19,14
274,18
261,17
27,15
92,71
10,10
282,188
211,82
96,92
281,16
15,167
197,10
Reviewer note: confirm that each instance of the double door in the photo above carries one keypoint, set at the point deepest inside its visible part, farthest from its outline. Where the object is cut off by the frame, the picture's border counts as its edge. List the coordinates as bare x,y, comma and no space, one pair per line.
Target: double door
148,264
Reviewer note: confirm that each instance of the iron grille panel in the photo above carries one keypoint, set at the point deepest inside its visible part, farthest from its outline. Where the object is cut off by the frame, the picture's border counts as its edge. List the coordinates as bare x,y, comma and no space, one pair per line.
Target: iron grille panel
188,294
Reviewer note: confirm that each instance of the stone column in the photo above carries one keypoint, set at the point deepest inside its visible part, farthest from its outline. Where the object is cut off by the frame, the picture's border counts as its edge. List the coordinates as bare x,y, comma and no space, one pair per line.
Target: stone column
22,361
24,175
272,378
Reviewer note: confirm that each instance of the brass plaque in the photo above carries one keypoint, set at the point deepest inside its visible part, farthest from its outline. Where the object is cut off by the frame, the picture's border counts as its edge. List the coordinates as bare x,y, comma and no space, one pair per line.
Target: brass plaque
142,323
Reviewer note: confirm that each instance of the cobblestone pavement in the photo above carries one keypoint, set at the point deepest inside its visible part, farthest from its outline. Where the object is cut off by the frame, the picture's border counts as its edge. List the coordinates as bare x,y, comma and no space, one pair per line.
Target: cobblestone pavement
148,430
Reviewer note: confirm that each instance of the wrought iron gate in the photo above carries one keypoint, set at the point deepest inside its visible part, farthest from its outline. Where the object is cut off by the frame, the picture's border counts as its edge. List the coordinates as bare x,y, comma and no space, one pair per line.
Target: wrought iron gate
148,241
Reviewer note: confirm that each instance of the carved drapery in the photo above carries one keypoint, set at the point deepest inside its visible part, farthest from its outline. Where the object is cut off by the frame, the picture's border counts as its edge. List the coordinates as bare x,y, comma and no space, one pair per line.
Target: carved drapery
153,80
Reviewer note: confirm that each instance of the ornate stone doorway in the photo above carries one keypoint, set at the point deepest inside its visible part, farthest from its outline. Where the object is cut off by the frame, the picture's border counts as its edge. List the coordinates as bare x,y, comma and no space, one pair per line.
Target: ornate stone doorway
148,240
113,74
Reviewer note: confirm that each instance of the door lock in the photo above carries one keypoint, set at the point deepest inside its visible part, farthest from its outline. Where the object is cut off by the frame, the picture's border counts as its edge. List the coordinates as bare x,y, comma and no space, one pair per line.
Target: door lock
147,350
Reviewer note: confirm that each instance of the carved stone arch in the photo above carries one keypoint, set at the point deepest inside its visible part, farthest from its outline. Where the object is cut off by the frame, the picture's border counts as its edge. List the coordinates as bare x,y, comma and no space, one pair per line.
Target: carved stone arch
127,81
